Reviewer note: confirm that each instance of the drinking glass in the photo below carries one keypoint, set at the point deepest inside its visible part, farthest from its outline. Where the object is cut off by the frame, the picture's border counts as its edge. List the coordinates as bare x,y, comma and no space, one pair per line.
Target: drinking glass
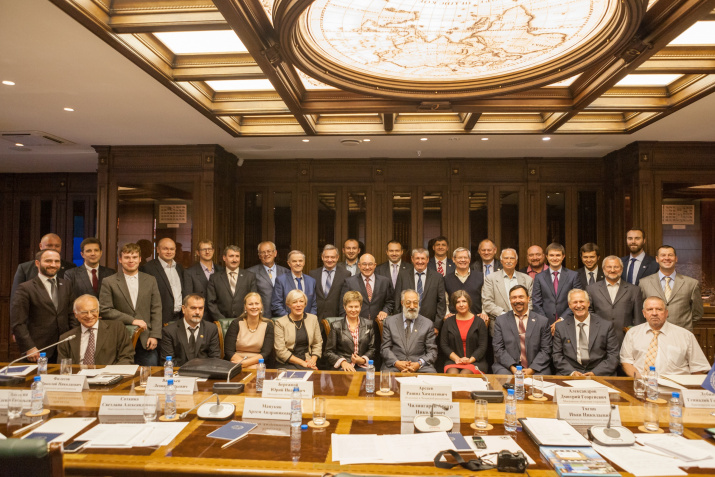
639,386
650,416
14,404
144,373
537,386
481,414
280,371
151,407
66,366
320,411
385,381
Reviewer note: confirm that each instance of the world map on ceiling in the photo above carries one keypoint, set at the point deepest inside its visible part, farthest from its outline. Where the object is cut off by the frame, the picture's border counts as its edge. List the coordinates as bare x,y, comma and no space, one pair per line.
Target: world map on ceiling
451,40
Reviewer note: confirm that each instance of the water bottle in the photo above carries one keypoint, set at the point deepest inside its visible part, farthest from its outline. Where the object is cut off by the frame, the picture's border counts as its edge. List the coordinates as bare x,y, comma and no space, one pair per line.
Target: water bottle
510,423
36,396
260,375
652,379
295,435
676,415
519,383
296,414
370,378
42,364
170,400
168,368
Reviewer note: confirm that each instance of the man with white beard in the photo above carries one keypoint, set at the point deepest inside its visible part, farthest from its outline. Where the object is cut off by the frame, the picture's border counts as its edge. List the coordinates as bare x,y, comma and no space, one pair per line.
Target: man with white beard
408,339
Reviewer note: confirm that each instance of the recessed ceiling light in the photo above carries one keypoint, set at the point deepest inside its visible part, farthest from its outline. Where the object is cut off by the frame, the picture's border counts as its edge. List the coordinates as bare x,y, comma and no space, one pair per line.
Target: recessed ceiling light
188,42
8,83
701,33
366,140
647,80
546,138
306,140
423,139
241,85
485,139
19,144
69,109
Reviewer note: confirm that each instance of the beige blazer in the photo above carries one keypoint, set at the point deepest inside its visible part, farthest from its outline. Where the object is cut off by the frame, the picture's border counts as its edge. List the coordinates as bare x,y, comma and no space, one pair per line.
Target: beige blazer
686,303
284,340
495,300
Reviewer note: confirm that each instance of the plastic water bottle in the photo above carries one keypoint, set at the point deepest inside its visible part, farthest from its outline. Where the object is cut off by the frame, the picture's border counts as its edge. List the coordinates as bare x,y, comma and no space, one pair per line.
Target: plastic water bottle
170,400
519,383
37,395
296,414
652,378
510,423
676,415
42,364
260,375
168,368
370,378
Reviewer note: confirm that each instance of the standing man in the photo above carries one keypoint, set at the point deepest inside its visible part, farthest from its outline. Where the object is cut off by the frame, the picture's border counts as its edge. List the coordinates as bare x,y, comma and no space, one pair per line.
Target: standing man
133,298
197,276
170,279
440,262
536,260
40,308
329,280
590,273
28,270
191,337
429,286
351,251
464,278
295,280
266,274
87,278
681,294
551,288
638,264
394,265
497,286
486,263
229,287
377,291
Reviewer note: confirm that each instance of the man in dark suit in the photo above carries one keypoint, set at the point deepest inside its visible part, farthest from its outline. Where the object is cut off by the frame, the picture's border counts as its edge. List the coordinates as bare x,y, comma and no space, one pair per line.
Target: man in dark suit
440,262
394,265
293,280
485,262
266,273
28,270
192,336
40,309
329,283
97,342
429,285
351,252
196,277
535,258
584,344
169,277
590,272
377,302
534,354
551,287
228,288
132,297
616,300
637,264
87,279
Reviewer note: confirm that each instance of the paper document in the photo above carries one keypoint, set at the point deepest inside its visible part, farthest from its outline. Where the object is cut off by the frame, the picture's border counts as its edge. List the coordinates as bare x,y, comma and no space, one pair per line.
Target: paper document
496,444
675,446
66,427
121,369
457,384
639,461
19,369
549,388
666,383
685,379
389,449
587,383
552,432
151,434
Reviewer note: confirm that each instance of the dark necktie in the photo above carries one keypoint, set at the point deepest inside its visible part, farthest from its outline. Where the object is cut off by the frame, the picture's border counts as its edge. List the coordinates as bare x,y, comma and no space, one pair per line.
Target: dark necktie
300,286
420,288
53,292
556,283
192,342
407,330
95,281
328,282
522,342
590,278
89,352
630,271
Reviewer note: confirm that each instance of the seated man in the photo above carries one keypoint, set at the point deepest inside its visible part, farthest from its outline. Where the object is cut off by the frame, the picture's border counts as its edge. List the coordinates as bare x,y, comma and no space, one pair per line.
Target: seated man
408,339
670,348
101,342
191,337
584,344
534,352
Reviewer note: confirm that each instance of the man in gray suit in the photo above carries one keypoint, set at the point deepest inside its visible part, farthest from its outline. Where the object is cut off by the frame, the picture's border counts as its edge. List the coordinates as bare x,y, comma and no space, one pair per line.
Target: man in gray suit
584,344
87,278
229,287
408,339
329,281
681,294
495,291
133,298
266,274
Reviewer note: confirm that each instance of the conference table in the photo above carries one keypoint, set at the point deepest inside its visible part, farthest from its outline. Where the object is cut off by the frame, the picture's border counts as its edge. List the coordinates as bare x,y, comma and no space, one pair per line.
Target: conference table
350,410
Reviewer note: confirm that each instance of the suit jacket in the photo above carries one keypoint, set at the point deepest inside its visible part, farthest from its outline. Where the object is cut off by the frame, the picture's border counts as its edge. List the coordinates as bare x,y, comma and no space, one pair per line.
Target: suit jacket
385,269
551,305
603,348
113,344
648,267
195,280
450,340
174,342
265,285
115,303
477,265
34,320
625,311
329,306
685,306
340,342
284,341
507,347
221,302
26,271
433,304
583,277
382,295
473,286
284,284
450,265
495,298
155,268
81,283
421,343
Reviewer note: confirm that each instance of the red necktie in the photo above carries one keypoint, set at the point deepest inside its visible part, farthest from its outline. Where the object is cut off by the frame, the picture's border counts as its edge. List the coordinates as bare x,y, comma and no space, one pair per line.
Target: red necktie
440,268
95,282
556,283
522,342
368,288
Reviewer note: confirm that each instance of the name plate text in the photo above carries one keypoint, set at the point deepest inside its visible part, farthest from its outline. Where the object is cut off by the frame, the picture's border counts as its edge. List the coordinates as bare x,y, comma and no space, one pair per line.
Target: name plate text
64,383
700,398
583,396
410,409
157,385
121,405
278,388
588,415
426,393
261,408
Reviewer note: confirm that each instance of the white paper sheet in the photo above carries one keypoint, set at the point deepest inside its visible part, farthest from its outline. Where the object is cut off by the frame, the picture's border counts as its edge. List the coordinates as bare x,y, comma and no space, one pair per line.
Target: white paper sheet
68,426
112,435
587,383
686,379
388,449
662,382
457,384
675,446
640,462
121,369
554,432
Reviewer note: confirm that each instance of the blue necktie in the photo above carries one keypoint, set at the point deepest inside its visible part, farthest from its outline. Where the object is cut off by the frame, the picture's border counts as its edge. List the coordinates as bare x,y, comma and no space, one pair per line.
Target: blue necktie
328,282
630,271
486,272
300,287
420,288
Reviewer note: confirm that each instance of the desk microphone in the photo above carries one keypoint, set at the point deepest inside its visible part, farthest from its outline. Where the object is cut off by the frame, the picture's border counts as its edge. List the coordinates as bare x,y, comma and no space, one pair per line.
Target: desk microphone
6,380
432,423
228,387
611,436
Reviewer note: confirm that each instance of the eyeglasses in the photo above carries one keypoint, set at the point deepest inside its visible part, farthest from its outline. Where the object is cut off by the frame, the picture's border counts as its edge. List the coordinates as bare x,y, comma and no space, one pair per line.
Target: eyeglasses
368,265
206,250
87,313
266,253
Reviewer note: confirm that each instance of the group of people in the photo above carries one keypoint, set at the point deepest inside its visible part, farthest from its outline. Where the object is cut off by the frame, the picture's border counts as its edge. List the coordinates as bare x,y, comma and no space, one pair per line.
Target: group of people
431,314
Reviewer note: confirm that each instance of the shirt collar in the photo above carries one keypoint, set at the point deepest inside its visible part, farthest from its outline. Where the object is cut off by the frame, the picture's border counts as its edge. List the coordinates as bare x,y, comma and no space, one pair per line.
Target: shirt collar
127,277
90,268
272,269
44,278
661,275
295,277
95,326
206,269
587,321
525,315
165,264
552,271
638,257
617,284
663,331
469,272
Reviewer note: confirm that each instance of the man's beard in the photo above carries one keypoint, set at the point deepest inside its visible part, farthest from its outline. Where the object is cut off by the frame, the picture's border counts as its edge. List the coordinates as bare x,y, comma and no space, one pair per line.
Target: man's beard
411,313
195,320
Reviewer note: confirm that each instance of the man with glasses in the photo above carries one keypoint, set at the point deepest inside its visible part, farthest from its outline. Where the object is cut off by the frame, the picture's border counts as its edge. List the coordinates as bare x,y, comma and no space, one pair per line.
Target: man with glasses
266,273
376,290
196,277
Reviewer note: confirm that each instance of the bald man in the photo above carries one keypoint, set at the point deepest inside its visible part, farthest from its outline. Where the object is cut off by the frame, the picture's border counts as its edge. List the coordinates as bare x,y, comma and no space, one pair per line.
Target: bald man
27,271
169,277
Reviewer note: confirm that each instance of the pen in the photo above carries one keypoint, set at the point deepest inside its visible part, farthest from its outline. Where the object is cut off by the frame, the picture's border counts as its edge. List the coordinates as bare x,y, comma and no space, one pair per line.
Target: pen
28,427
233,441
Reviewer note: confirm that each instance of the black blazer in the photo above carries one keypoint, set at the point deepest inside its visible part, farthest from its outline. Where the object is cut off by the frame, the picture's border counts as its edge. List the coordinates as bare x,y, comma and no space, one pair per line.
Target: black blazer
331,305
382,295
81,284
155,269
648,267
477,341
195,281
583,277
477,264
473,286
229,340
341,345
174,342
450,266
434,304
26,271
221,303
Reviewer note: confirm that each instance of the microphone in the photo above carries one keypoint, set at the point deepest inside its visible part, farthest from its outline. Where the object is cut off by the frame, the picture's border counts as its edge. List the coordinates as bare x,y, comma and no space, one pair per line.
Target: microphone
6,380
228,387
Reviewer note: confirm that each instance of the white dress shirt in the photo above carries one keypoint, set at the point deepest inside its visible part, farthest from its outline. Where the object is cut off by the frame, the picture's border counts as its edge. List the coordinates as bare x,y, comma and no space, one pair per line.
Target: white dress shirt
89,272
187,329
133,286
174,281
509,283
613,289
586,329
636,265
588,275
46,283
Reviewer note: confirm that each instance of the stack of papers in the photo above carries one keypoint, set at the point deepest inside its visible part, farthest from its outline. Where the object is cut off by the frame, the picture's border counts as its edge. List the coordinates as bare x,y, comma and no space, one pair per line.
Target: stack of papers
552,432
389,449
120,369
457,384
151,434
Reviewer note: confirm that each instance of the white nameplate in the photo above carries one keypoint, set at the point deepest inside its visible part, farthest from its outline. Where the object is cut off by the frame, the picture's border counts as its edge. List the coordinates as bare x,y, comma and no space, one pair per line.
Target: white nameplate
260,408
5,398
73,383
701,398
277,388
157,385
410,409
121,405
583,396
588,415
426,393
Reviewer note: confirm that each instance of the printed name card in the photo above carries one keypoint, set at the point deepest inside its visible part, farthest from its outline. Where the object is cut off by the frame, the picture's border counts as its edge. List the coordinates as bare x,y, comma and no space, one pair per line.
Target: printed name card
157,385
5,398
410,409
701,398
261,408
588,415
121,405
426,393
583,396
69,384
277,388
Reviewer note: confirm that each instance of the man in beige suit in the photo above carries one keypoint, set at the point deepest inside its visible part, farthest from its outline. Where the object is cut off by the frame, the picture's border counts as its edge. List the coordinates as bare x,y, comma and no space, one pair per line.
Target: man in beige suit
495,292
681,294
133,298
